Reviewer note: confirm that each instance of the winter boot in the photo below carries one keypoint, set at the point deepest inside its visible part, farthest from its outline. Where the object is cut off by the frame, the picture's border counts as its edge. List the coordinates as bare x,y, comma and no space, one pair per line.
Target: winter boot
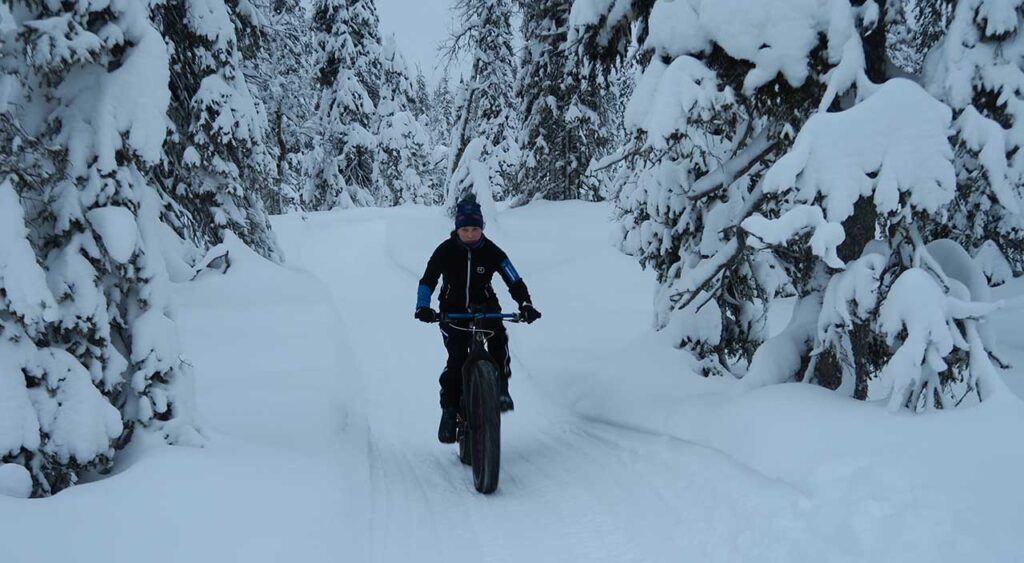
505,400
446,430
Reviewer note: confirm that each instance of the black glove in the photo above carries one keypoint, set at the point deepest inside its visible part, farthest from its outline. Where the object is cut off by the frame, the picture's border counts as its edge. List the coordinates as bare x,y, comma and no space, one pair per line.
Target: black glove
426,314
527,313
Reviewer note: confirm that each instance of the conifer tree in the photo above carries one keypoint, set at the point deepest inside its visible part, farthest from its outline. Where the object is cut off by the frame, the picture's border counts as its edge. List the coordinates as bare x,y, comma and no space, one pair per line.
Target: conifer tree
403,142
344,168
485,108
217,164
564,108
730,208
441,116
693,112
978,69
284,68
420,103
913,28
85,320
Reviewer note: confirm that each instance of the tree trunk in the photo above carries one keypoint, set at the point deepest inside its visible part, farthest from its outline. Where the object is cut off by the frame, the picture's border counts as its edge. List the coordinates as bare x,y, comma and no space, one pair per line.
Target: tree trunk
860,230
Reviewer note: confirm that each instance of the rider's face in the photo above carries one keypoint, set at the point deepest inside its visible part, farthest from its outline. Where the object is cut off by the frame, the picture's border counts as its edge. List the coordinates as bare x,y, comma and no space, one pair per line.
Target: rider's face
470,235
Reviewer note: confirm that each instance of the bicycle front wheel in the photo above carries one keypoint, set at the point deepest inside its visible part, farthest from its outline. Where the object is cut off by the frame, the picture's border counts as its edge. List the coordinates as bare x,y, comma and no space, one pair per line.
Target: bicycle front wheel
484,426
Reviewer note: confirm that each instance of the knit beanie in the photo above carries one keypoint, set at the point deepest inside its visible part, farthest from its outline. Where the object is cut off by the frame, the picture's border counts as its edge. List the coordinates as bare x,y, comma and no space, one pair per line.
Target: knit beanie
468,214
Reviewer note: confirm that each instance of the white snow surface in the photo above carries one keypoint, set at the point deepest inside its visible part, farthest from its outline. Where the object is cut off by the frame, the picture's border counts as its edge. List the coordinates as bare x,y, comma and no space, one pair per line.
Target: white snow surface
319,394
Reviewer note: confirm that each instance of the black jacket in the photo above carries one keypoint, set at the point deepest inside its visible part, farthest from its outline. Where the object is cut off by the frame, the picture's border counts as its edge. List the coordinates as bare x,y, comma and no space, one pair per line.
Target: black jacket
466,274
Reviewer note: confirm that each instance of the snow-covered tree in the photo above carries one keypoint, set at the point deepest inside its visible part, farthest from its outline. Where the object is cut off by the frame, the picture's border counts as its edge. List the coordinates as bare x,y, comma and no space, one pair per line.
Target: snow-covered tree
913,28
441,115
710,111
420,103
284,69
403,143
610,172
217,165
347,37
565,120
486,103
978,70
477,175
891,150
730,208
55,422
85,319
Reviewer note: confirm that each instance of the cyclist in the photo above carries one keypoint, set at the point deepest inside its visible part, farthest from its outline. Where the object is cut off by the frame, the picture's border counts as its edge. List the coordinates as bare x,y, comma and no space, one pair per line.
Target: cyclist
466,261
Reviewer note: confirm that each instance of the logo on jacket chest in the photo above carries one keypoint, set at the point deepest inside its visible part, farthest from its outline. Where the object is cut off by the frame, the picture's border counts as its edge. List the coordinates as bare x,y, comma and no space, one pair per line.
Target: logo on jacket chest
480,269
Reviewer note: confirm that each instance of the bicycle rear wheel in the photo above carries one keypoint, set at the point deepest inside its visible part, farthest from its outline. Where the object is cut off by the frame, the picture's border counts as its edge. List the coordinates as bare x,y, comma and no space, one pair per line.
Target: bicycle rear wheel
484,437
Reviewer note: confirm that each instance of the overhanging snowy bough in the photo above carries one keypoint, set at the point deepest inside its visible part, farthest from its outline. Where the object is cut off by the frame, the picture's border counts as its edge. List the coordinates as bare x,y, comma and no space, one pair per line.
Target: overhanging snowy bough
904,312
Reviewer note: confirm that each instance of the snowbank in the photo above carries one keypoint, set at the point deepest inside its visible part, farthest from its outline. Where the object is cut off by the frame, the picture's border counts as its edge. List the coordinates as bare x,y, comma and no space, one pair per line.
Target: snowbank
274,480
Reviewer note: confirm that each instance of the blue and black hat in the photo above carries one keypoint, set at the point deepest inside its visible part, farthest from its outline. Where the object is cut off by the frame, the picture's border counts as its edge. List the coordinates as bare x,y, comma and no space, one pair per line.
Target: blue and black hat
468,214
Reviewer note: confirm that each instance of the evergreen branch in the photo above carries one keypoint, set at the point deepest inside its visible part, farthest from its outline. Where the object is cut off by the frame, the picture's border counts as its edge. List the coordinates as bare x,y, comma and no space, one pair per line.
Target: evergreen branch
733,168
684,298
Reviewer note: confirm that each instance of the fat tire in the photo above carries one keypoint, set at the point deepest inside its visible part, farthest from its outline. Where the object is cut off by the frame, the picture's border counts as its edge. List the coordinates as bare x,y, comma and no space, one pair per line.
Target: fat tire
484,436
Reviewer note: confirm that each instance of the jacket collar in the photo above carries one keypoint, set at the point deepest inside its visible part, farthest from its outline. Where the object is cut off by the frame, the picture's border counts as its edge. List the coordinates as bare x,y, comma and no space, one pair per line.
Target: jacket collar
479,243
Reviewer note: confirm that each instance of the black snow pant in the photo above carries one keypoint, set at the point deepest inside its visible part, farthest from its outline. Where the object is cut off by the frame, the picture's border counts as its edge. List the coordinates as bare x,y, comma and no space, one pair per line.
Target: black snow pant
457,343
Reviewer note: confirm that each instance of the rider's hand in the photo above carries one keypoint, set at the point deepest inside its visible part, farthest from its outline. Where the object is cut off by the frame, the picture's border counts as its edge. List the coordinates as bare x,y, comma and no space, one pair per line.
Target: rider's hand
528,313
426,314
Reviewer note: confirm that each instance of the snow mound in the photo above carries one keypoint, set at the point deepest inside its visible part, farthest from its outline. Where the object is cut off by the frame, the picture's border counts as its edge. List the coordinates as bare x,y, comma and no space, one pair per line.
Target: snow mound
15,481
117,229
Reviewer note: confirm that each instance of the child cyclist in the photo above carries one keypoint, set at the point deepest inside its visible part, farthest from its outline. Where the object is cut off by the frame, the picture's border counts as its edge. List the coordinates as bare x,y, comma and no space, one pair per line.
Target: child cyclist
465,263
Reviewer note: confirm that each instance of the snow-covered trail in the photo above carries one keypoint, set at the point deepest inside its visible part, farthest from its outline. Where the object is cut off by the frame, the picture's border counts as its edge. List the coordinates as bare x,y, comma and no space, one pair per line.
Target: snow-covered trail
570,489
318,393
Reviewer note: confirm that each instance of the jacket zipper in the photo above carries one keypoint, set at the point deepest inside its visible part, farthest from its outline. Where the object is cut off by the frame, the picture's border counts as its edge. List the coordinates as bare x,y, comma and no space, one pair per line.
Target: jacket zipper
469,270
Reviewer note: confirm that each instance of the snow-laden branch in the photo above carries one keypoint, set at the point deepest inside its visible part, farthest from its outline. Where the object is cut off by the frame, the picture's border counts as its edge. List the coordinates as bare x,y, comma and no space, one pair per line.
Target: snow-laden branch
737,166
825,238
893,144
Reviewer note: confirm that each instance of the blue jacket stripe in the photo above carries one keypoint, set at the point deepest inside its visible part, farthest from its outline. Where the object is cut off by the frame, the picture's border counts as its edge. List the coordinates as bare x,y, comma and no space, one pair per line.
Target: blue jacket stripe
423,296
510,271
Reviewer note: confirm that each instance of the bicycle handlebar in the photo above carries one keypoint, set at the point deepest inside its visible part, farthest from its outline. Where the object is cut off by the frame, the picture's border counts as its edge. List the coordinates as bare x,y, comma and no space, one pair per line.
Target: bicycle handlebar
513,317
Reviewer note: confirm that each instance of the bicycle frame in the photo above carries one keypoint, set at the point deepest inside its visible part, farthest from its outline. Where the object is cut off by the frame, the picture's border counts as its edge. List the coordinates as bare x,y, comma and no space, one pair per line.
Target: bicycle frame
477,351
